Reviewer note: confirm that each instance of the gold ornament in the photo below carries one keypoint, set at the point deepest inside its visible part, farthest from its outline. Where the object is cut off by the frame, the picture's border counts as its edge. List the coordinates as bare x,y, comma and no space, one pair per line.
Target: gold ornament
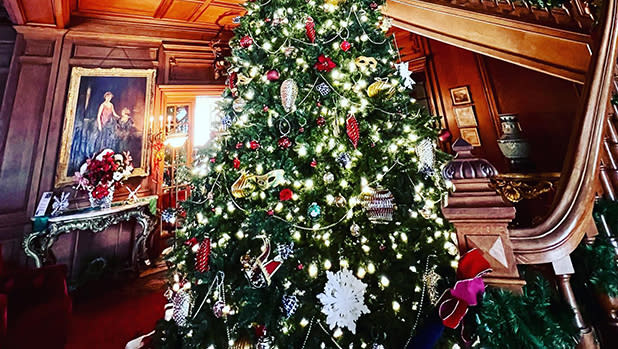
247,183
340,201
271,179
242,342
243,186
289,92
381,86
333,2
243,79
363,63
355,230
239,104
431,278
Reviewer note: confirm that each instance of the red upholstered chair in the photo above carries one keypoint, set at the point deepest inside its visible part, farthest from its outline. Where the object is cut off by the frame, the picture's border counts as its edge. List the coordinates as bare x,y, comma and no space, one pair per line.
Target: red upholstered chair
35,308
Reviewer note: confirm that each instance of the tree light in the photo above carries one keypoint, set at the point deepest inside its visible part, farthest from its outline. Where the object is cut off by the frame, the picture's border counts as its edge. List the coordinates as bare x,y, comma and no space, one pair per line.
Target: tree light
313,270
327,264
371,268
384,281
396,306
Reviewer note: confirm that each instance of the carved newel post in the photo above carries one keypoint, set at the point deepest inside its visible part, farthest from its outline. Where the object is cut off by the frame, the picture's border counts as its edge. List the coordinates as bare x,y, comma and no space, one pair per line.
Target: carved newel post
480,215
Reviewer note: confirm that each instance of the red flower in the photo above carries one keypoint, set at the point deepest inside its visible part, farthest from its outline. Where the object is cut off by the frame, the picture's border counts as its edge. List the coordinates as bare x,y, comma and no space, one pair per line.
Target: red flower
236,163
324,64
285,194
100,191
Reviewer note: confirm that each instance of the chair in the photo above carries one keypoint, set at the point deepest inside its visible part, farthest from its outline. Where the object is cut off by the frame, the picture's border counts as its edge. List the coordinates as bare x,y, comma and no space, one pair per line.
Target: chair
35,307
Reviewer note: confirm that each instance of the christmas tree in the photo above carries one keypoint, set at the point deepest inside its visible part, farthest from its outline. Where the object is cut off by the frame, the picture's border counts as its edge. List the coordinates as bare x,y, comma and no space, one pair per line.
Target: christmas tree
314,217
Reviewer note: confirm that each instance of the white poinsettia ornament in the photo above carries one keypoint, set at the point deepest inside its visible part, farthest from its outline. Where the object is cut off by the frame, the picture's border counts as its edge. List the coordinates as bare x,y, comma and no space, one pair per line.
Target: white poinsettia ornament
343,299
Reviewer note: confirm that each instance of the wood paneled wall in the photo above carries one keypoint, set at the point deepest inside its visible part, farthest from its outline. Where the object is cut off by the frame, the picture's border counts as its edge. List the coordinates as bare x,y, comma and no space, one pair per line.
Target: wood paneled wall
32,113
546,105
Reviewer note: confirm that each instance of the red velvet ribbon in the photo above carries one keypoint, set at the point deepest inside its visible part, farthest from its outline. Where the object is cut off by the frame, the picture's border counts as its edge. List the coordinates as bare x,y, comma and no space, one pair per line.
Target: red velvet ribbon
454,303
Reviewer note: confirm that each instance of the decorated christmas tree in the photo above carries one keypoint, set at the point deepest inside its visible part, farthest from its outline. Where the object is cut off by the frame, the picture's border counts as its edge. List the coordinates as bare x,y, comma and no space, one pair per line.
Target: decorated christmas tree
314,218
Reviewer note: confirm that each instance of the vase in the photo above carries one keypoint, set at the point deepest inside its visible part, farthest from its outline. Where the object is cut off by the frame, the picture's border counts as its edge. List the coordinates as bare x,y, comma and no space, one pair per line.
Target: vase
105,202
512,144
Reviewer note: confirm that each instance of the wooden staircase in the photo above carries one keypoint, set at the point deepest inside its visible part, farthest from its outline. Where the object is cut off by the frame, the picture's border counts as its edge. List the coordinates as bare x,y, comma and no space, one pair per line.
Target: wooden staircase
482,217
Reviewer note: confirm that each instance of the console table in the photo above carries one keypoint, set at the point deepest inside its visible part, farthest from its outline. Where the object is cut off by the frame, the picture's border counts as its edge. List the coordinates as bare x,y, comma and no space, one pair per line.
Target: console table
38,243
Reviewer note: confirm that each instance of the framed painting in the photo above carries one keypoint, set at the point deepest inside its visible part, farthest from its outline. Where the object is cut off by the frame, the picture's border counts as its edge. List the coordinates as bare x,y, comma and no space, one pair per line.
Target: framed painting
460,95
465,116
471,135
106,109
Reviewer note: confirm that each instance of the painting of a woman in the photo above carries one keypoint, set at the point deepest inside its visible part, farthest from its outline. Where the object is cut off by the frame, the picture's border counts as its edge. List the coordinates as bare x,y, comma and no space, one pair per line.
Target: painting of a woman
93,121
106,124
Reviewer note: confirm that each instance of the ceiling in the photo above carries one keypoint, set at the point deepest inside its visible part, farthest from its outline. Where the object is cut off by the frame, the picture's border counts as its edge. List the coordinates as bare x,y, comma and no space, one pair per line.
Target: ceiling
210,14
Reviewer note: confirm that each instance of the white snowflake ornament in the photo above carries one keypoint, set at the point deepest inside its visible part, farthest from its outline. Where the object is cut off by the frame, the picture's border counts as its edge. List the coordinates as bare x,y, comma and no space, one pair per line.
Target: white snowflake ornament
343,299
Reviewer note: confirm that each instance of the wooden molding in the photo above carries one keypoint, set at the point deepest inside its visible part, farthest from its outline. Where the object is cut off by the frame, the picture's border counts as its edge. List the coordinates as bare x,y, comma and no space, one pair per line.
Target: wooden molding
533,46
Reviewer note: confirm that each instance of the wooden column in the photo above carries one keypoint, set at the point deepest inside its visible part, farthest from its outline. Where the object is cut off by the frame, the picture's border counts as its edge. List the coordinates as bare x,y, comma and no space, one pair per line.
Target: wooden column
480,215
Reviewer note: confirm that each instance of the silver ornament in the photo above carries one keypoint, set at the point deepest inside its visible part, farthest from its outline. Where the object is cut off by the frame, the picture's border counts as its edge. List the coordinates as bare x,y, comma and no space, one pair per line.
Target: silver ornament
239,104
264,343
182,305
217,309
425,153
380,206
289,92
328,177
355,230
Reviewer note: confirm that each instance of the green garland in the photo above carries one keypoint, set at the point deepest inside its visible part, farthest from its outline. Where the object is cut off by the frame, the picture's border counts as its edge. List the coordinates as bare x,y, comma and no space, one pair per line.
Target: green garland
536,319
597,267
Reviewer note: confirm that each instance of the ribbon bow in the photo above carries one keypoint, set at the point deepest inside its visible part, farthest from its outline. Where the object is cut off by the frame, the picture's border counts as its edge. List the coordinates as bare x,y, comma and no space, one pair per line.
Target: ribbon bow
454,303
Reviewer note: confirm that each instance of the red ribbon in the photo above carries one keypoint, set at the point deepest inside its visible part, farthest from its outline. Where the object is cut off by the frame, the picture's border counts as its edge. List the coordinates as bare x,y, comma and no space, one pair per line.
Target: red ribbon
454,303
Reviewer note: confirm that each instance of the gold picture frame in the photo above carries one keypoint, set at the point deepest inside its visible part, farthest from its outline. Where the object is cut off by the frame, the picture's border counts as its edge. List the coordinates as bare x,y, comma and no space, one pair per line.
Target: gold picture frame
460,95
471,135
90,126
465,116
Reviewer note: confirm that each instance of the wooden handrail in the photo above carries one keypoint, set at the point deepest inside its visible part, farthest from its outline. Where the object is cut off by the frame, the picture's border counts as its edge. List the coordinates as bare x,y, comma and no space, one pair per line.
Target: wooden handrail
571,215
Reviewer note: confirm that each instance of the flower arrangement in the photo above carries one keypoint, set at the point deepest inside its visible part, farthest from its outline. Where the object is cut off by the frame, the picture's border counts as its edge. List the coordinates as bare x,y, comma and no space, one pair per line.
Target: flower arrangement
101,174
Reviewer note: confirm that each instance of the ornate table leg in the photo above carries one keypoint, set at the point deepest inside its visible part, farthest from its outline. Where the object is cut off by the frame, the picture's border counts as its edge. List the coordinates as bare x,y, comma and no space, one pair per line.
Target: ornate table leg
30,244
139,249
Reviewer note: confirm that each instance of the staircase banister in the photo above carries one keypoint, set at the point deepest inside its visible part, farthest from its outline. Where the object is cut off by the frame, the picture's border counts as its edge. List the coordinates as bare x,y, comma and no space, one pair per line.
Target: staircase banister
563,229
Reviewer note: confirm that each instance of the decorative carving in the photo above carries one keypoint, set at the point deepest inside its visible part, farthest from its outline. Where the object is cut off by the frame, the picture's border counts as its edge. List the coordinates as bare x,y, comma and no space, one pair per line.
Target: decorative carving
467,166
516,187
38,243
576,15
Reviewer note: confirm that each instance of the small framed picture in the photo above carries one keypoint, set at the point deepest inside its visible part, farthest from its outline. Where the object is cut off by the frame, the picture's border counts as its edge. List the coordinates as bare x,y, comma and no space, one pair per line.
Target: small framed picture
460,95
465,116
471,135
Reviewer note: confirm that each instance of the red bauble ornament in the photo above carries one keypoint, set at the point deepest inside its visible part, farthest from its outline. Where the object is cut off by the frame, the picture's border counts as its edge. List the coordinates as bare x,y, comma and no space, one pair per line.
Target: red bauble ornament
260,331
324,64
246,41
373,6
445,135
254,145
272,75
351,127
313,163
320,121
301,130
201,261
300,266
265,109
236,163
284,142
270,212
285,194
239,145
345,46
310,29
212,160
